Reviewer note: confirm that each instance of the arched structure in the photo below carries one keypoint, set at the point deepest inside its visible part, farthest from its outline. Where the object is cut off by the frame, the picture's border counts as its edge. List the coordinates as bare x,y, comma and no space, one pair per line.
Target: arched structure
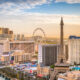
39,38
40,30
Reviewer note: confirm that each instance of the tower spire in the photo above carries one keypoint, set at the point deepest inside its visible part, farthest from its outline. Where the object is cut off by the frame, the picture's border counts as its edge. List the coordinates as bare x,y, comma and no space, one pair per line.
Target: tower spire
61,37
61,23
61,64
61,56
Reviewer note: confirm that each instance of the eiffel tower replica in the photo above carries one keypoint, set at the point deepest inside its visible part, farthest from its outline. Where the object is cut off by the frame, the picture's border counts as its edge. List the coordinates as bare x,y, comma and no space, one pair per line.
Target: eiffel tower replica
61,65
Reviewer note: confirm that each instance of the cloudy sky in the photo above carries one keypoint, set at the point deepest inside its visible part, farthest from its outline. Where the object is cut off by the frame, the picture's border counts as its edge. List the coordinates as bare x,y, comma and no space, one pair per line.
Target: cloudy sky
24,16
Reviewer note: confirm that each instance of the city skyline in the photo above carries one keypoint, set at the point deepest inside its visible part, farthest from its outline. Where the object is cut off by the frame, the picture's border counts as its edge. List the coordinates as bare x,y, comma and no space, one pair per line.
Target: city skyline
23,16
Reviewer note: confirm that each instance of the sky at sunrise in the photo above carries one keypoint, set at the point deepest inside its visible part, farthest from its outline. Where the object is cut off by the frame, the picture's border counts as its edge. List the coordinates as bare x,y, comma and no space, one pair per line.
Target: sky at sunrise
24,16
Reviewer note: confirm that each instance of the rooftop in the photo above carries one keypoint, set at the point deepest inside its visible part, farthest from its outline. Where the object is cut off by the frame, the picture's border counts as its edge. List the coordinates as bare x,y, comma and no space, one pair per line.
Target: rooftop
74,37
22,42
72,75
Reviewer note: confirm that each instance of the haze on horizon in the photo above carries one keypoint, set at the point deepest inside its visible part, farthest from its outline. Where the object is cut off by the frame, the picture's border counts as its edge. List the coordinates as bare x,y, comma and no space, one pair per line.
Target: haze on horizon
24,16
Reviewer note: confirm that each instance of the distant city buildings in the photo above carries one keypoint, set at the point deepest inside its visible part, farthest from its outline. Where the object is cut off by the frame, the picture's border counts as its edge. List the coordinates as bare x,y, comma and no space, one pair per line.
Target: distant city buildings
74,50
10,42
6,33
19,37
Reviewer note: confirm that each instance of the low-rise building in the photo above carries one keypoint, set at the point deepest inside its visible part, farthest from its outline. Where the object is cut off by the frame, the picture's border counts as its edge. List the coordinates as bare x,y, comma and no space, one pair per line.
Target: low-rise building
16,57
73,75
5,59
19,56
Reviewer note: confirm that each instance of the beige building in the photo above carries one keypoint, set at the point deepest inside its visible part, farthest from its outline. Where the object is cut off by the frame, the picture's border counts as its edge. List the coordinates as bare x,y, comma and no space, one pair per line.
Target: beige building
5,58
1,31
23,50
6,33
4,46
20,56
73,75
16,57
27,46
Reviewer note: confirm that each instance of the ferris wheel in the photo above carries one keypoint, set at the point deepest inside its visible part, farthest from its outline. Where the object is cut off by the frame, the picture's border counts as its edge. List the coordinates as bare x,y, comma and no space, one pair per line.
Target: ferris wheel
37,38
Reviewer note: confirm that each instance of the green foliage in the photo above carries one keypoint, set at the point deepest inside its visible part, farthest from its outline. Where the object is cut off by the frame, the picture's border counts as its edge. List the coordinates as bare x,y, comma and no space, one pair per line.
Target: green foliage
9,72
75,63
52,66
48,42
73,69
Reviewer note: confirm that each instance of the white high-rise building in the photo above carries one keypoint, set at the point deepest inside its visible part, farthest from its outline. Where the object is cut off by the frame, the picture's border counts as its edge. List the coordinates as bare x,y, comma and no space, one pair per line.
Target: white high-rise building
74,50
